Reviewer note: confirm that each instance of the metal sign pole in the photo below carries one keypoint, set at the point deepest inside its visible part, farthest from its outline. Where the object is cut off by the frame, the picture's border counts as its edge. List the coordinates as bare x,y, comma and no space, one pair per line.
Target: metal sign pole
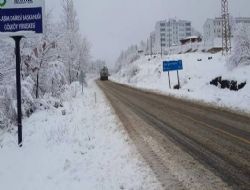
18,88
178,79
169,80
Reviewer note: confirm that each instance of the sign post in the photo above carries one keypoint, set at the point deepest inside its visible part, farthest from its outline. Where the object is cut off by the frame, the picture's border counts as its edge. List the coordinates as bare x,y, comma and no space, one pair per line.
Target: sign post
169,80
178,78
18,89
19,18
172,66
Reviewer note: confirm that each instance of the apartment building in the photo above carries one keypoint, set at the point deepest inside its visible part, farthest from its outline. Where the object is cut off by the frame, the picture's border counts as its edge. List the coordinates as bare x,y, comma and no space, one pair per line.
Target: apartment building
169,32
212,28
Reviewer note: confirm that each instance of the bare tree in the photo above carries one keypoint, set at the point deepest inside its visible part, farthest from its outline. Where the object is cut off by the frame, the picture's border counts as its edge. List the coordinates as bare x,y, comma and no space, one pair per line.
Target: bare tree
70,44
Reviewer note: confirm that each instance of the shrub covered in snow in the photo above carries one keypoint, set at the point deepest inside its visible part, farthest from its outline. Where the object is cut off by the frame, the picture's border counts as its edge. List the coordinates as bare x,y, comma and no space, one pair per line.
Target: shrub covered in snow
7,107
71,91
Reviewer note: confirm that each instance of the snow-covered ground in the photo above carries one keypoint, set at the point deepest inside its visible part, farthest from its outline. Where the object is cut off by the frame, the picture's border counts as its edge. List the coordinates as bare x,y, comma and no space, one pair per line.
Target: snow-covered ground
85,149
195,79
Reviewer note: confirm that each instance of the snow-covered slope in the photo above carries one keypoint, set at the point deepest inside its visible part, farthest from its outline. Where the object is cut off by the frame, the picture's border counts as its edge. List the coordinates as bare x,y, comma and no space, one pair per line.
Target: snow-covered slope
195,79
84,149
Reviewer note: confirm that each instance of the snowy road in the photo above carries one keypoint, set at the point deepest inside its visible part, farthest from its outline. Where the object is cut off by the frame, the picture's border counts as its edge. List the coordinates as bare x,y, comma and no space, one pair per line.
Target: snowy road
188,146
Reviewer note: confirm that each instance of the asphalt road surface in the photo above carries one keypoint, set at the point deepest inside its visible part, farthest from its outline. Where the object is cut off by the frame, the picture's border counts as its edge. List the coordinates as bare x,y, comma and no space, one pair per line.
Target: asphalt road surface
187,145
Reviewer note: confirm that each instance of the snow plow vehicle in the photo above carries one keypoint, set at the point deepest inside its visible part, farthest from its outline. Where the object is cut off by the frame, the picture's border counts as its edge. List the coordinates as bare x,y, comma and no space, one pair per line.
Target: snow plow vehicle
104,74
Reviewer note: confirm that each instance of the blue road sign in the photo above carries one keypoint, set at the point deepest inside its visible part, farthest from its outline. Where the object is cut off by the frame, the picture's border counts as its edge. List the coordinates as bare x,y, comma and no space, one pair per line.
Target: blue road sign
172,65
21,19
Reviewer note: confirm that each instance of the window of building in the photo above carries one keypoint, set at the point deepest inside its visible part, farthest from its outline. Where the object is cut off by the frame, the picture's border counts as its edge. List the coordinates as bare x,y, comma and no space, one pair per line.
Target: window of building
162,24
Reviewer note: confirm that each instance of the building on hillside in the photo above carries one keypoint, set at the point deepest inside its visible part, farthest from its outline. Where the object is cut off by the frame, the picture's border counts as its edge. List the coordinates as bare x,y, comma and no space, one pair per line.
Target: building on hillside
169,32
191,39
212,28
242,20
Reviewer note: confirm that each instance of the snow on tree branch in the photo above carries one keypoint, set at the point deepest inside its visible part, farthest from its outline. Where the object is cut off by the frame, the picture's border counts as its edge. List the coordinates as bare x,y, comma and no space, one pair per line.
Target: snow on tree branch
241,49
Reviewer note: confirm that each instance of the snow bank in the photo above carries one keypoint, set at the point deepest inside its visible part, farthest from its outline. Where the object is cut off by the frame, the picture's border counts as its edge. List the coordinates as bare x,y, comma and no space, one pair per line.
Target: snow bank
195,79
84,149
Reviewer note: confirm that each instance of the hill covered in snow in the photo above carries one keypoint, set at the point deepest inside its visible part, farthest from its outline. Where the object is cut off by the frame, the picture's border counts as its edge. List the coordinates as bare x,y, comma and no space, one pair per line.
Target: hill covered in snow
199,70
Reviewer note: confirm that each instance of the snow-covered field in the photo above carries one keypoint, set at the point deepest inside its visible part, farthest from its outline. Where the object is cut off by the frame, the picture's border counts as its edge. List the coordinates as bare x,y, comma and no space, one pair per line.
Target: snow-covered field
85,149
195,79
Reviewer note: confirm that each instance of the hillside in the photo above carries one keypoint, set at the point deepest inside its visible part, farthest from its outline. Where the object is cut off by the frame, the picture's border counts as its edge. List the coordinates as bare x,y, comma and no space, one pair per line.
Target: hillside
199,71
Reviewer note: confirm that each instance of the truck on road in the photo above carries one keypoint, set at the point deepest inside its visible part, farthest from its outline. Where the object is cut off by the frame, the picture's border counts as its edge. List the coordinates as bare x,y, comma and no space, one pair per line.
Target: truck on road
104,73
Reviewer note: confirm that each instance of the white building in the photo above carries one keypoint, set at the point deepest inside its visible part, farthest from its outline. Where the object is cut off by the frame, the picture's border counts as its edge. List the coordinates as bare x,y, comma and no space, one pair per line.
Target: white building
242,20
169,32
212,29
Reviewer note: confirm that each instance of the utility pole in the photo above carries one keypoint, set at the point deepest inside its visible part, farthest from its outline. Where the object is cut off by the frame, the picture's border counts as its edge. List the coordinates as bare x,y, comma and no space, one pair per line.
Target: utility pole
226,33
151,45
169,44
161,47
147,47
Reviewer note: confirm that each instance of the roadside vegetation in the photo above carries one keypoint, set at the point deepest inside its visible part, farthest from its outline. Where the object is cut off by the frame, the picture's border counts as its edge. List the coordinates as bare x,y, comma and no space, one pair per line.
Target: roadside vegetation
50,63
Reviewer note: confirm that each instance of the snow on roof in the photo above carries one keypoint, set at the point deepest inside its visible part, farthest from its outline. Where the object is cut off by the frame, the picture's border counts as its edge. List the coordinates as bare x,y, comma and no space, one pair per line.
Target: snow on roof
191,37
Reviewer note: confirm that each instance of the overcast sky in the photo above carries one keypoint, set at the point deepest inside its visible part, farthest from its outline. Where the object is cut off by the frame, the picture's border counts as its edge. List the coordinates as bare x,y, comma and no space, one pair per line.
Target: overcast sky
113,25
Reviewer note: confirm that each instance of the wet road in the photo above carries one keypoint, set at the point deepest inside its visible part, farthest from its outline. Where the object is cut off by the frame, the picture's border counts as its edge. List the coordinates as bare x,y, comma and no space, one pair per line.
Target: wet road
217,140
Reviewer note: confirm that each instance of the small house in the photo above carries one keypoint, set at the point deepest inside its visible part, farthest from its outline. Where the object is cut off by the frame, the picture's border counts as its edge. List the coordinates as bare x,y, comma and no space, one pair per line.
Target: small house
190,39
